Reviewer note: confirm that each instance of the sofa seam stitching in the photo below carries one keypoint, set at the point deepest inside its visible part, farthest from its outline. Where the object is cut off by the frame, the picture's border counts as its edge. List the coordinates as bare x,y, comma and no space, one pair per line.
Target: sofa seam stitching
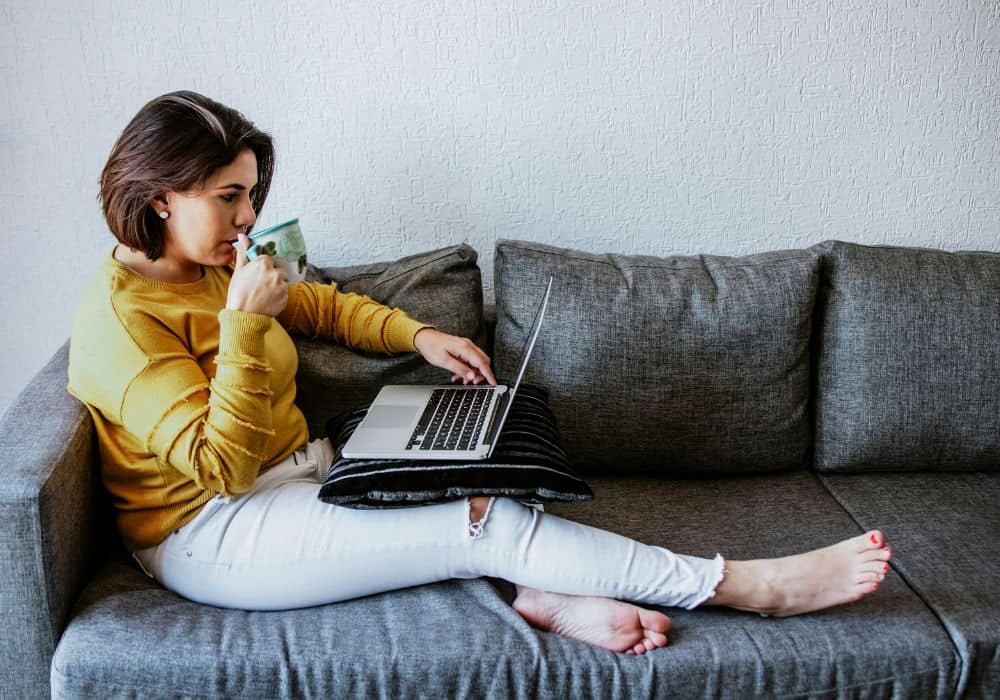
653,267
403,273
966,669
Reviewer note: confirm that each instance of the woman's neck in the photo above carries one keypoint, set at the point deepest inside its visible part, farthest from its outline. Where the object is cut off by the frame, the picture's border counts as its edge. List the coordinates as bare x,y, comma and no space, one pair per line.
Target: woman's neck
161,269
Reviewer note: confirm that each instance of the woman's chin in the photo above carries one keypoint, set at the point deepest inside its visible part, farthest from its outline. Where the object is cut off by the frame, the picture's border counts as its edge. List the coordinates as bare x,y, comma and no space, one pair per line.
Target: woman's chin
223,255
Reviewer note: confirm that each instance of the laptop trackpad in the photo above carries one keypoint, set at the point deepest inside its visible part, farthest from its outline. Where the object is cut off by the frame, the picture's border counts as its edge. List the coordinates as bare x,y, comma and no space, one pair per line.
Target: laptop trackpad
390,416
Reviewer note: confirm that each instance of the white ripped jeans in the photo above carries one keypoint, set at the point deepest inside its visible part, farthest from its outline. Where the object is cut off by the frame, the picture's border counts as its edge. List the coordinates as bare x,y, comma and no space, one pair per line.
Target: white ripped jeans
278,547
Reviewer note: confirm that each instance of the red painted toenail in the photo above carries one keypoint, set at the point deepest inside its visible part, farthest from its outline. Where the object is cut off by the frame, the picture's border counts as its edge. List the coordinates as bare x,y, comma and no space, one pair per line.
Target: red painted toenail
874,539
885,567
874,586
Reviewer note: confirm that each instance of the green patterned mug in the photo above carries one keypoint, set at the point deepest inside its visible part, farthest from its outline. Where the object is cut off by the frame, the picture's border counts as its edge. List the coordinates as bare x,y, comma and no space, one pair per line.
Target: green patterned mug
283,242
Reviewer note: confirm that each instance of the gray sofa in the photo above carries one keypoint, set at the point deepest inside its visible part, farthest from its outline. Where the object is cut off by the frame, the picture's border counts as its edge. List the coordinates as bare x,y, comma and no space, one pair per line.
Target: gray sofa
755,406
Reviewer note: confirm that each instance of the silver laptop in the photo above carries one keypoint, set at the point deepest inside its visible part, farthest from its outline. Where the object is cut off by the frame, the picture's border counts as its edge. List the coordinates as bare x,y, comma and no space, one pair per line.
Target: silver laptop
459,422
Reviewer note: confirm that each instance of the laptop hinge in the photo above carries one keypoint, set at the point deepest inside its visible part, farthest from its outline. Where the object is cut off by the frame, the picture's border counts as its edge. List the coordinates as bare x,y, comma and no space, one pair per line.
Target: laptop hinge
501,405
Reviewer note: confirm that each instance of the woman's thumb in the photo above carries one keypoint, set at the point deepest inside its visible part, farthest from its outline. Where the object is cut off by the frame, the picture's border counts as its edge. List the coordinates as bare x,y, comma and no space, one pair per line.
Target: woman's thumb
241,248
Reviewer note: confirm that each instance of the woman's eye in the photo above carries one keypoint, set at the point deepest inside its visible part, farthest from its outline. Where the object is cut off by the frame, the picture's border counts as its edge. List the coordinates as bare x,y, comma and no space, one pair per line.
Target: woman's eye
230,197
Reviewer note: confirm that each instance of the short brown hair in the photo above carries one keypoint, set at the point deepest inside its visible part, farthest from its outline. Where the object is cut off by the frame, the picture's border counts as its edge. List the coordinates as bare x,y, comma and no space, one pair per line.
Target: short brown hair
174,143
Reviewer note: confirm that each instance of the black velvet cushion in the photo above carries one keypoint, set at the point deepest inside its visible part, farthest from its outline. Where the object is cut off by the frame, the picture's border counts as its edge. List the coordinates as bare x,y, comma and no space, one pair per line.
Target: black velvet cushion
528,464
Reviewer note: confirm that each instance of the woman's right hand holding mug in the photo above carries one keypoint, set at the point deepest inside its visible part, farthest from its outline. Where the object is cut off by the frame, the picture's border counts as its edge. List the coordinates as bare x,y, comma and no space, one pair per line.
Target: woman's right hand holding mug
258,287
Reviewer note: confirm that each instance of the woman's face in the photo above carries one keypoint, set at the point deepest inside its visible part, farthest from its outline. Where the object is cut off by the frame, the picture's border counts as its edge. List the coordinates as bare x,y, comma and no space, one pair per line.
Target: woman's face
204,222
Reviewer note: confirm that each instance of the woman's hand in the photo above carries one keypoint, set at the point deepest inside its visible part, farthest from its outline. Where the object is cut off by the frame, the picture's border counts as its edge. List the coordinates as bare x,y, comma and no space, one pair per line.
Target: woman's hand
259,287
458,355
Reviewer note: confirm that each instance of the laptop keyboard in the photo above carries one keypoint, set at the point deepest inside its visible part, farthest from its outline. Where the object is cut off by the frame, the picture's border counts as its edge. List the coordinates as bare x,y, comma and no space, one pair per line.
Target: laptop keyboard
452,419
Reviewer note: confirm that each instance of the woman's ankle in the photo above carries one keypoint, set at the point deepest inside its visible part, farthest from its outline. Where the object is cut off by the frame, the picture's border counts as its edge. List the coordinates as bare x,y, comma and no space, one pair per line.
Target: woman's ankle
748,585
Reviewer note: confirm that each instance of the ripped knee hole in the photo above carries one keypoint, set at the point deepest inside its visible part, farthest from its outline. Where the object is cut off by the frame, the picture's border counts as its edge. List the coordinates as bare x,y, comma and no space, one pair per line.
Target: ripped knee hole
477,517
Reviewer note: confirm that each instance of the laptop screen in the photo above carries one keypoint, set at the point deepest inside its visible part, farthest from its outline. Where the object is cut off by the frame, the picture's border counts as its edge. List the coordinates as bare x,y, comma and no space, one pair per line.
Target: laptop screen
508,398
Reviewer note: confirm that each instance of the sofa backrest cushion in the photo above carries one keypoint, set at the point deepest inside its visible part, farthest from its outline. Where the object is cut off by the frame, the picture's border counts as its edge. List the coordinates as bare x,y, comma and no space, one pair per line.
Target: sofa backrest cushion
685,365
907,355
441,287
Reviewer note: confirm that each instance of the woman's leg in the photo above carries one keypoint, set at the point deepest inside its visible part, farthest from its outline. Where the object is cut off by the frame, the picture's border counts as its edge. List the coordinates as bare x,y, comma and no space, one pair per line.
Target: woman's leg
278,546
821,578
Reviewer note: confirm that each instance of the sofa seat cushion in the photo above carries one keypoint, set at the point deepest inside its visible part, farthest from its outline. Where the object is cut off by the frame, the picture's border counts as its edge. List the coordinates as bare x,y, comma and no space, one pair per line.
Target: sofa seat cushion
441,287
889,644
689,365
945,531
908,363
130,637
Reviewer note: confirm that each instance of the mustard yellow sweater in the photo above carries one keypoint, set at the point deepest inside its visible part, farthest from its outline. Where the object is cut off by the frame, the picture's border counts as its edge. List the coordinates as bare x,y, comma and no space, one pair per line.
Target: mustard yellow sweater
191,399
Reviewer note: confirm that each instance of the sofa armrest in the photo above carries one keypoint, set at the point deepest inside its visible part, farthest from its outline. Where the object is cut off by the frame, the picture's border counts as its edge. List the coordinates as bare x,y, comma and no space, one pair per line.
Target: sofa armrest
50,523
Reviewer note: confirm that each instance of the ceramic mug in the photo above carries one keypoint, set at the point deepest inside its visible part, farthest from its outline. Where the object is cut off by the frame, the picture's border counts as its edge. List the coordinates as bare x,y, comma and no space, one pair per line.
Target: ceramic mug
284,243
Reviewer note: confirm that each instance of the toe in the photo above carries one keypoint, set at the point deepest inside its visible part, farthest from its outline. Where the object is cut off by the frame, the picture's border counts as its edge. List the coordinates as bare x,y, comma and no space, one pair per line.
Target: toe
883,554
873,539
648,643
861,589
655,621
658,639
639,648
876,566
870,577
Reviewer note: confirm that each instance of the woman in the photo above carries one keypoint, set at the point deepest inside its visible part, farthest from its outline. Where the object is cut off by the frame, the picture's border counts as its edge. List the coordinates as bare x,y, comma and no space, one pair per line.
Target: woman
181,352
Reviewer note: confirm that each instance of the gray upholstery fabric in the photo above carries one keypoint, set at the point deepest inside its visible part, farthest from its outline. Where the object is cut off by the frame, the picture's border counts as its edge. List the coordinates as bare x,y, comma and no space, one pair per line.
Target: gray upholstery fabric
440,287
128,637
692,365
131,638
908,359
945,534
49,527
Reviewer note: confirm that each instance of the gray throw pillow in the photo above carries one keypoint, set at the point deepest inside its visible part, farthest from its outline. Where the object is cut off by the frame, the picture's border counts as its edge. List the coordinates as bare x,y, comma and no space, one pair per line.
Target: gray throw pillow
440,287
684,365
908,359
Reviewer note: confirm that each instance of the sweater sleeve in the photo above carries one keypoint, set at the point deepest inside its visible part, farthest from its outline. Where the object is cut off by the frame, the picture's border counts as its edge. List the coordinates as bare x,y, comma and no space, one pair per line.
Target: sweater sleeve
320,310
215,432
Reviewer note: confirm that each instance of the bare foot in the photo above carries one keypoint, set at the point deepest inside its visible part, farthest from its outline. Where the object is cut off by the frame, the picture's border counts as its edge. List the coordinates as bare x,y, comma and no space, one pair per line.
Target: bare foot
605,622
822,578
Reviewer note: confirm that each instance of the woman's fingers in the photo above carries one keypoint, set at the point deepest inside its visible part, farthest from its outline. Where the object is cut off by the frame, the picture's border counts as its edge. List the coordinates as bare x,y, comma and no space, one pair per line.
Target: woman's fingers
475,364
244,245
458,355
458,368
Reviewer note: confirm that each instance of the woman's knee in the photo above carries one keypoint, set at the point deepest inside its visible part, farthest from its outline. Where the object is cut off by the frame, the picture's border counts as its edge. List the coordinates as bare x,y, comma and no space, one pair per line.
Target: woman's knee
479,510
501,515
477,507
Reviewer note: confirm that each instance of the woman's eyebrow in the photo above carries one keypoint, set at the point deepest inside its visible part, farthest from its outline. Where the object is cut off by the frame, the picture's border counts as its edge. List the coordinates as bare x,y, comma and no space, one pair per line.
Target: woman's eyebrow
235,185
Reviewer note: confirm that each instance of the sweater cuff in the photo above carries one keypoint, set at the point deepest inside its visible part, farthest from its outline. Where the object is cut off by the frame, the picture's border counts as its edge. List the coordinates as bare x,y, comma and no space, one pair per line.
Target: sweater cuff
242,333
400,334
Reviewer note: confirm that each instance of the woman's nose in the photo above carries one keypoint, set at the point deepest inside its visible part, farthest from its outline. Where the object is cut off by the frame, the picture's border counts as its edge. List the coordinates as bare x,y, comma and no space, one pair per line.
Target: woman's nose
248,217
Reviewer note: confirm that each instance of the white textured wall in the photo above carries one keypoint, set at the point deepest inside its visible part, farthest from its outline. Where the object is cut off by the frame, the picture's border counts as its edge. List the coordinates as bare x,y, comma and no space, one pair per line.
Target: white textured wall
684,126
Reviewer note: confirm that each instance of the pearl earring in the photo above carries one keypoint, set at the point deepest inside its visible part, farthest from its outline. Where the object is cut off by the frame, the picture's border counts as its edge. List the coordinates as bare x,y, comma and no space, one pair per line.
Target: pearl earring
164,214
